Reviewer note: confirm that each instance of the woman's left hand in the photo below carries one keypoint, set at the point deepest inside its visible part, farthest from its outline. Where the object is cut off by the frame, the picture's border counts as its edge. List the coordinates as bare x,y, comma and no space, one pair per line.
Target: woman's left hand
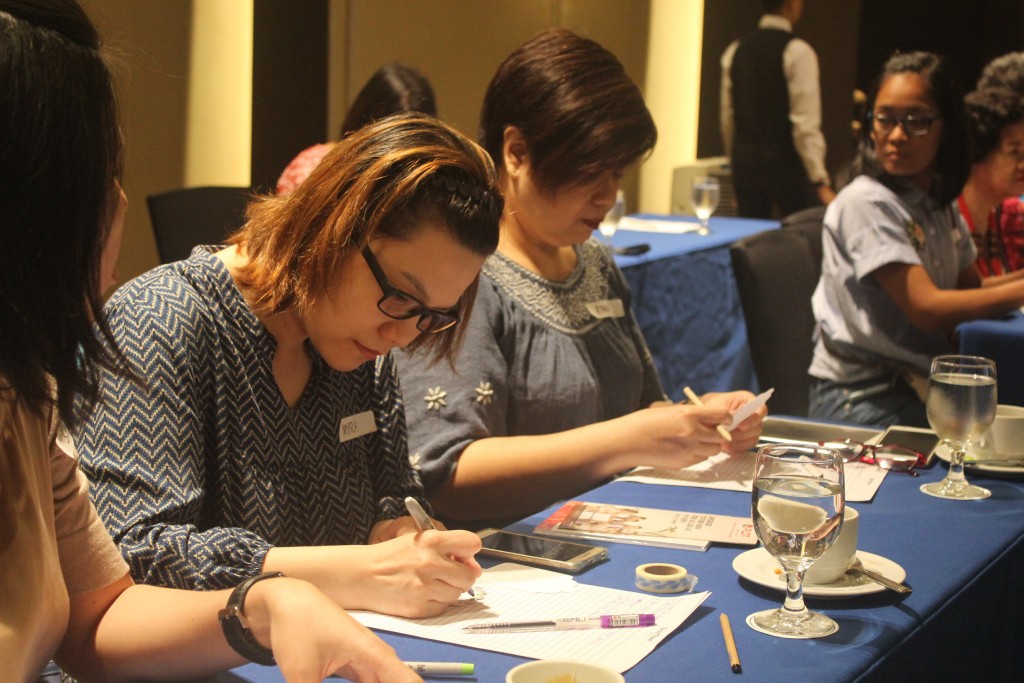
747,433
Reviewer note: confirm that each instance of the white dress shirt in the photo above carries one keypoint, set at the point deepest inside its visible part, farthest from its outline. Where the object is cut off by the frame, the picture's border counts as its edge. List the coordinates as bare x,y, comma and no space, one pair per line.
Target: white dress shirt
800,64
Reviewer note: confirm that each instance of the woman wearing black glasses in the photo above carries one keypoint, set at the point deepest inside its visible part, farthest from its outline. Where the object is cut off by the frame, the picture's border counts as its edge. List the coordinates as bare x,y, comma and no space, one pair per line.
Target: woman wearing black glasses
898,271
265,429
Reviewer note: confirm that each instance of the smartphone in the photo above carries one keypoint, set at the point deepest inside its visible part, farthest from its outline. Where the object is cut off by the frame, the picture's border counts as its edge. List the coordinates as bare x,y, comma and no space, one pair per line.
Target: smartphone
924,441
544,552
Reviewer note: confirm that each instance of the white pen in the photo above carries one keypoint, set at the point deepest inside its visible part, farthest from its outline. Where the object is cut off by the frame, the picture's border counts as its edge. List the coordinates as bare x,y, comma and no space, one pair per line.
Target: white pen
418,514
570,624
423,521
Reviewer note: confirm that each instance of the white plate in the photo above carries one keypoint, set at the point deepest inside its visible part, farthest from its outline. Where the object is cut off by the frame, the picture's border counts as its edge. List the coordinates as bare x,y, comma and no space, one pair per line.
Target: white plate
758,566
942,452
654,225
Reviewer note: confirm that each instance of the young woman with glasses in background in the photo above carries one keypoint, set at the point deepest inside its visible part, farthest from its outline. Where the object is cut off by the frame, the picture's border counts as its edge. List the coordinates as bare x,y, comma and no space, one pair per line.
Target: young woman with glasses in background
265,429
898,270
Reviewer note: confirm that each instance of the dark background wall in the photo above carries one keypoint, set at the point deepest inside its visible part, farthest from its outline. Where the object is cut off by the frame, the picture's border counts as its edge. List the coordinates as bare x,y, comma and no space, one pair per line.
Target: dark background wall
853,38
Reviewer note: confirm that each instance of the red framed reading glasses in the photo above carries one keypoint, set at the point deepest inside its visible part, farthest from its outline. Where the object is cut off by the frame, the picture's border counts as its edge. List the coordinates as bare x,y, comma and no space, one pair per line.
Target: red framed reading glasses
887,456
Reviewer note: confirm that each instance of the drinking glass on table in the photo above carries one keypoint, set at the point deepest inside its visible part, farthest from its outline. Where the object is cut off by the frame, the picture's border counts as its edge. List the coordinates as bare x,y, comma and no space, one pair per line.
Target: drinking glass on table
798,502
704,195
961,405
611,220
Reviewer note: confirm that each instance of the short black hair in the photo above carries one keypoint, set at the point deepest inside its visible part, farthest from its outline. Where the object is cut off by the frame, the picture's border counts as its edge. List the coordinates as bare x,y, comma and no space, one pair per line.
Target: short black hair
1006,71
989,112
578,111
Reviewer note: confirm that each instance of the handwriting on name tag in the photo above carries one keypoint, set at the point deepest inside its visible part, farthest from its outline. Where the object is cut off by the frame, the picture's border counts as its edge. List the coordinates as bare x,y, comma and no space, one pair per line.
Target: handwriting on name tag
357,425
609,308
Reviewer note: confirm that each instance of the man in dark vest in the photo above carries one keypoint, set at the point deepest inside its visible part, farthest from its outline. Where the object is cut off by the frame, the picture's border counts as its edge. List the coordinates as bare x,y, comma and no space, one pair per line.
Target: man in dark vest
771,118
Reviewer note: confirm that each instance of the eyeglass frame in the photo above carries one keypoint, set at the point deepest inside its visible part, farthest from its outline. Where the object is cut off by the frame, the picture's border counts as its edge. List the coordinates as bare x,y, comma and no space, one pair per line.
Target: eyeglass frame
889,122
450,316
868,453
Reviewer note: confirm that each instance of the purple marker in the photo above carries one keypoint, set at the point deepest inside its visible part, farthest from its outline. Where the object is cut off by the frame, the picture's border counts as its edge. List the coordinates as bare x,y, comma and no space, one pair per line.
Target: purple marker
570,624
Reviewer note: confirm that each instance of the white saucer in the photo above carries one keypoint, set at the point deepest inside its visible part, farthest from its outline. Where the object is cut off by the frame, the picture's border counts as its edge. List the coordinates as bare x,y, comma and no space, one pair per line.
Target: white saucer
758,566
942,452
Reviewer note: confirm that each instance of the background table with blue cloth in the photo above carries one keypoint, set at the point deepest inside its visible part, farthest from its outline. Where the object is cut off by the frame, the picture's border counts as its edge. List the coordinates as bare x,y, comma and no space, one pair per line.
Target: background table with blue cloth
686,302
964,560
1002,340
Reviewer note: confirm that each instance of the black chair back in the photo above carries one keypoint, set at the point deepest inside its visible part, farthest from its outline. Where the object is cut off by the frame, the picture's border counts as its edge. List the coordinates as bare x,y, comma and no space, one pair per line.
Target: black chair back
195,215
808,221
776,274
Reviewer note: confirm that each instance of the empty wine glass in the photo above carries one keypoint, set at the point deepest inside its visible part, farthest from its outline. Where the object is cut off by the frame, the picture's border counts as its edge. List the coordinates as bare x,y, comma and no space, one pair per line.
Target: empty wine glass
704,195
611,220
961,405
798,501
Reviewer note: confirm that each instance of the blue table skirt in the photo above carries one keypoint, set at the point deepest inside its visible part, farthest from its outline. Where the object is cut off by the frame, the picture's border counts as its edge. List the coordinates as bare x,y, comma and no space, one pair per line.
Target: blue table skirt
686,302
1002,340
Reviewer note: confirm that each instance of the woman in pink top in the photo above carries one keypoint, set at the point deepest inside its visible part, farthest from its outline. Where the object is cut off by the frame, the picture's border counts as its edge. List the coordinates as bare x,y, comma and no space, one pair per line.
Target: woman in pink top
393,88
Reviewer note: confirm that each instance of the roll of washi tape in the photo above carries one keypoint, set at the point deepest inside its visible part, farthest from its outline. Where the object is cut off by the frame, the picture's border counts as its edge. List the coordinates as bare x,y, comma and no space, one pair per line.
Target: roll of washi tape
662,578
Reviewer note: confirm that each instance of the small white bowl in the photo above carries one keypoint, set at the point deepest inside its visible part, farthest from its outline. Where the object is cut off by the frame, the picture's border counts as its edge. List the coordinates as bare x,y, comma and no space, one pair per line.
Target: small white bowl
562,671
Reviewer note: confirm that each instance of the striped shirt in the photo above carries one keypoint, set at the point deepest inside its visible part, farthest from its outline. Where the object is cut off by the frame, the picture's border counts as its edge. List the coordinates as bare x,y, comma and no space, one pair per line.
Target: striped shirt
200,468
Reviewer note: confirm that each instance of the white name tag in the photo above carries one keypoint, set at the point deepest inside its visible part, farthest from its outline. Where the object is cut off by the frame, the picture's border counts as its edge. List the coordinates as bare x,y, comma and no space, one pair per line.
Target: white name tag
357,425
609,308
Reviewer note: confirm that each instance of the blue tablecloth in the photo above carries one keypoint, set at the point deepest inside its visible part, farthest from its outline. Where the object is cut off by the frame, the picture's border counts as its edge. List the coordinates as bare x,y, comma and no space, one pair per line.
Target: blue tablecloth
1002,340
686,302
964,561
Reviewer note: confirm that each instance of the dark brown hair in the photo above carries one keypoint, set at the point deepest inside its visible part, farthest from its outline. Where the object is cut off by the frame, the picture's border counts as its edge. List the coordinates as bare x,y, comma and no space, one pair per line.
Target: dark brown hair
579,112
384,179
391,89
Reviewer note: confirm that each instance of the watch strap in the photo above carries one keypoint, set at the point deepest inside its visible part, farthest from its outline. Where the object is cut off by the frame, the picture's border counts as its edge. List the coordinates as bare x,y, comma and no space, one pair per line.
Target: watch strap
236,630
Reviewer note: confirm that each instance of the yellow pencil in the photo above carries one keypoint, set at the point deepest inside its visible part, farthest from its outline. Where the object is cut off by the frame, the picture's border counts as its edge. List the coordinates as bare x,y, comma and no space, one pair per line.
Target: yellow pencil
730,644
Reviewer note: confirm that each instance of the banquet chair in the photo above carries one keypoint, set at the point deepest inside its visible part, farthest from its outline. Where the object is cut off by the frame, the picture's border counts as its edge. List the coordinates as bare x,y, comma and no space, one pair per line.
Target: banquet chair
195,215
776,274
808,221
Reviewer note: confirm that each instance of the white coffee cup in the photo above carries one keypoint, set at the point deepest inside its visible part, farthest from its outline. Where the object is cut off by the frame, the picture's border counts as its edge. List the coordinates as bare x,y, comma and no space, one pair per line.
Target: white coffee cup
837,559
552,670
1005,438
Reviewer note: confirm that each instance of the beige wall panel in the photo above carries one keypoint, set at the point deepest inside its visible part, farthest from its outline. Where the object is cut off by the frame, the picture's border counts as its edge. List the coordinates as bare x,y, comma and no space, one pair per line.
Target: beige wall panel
150,46
458,44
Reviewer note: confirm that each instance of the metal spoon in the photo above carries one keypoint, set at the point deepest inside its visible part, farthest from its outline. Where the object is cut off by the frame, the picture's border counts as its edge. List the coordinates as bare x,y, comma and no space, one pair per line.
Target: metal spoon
858,568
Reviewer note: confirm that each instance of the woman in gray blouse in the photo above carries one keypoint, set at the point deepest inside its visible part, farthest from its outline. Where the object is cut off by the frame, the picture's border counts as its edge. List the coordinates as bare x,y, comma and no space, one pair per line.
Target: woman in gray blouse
554,389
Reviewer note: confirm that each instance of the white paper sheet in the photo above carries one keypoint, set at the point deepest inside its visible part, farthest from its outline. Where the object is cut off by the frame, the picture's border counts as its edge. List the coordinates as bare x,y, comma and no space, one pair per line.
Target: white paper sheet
655,225
736,473
512,592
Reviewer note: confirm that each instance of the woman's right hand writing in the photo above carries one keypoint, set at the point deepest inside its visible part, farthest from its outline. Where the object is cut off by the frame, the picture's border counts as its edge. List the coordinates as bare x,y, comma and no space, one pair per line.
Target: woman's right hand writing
412,575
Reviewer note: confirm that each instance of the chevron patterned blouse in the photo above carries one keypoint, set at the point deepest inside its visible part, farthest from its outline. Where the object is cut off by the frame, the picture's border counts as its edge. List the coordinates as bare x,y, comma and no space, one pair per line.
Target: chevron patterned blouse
202,467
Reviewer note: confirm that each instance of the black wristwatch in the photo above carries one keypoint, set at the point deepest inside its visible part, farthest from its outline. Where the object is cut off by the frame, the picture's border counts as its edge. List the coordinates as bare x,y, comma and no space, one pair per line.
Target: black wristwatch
236,628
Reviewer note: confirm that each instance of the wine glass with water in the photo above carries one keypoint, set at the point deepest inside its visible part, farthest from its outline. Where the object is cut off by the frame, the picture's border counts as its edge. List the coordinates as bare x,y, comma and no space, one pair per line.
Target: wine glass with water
611,220
704,195
961,405
798,501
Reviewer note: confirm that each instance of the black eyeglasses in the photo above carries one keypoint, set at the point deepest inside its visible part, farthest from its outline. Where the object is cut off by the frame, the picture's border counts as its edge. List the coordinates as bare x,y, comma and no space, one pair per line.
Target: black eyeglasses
888,457
914,124
401,306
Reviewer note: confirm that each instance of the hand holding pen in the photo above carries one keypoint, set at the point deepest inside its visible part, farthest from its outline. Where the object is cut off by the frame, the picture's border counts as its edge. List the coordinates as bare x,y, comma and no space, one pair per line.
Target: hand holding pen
425,523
